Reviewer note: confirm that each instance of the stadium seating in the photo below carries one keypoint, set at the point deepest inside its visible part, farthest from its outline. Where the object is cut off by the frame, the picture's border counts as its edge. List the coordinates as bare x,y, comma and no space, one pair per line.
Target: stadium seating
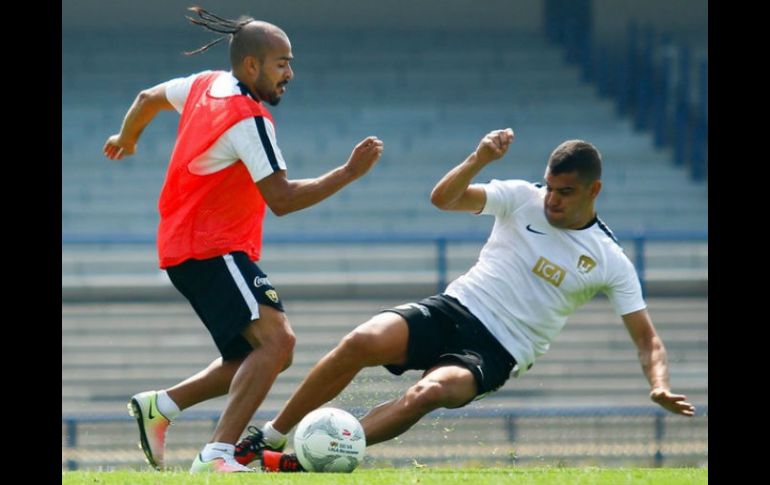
111,351
430,97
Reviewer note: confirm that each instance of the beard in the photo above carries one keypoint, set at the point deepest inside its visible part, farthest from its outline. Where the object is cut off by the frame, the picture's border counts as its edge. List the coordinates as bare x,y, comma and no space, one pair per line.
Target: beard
270,97
269,94
273,99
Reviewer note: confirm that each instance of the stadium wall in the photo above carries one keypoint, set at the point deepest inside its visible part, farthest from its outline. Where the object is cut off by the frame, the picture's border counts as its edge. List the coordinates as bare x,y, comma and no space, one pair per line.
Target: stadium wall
610,17
523,15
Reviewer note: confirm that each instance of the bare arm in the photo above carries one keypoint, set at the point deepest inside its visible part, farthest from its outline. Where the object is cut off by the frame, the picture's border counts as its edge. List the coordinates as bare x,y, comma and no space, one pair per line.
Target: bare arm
652,355
453,191
147,104
284,196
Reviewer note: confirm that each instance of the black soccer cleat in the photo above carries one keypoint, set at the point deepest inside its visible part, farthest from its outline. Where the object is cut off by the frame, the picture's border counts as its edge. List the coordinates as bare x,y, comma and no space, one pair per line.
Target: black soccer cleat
250,448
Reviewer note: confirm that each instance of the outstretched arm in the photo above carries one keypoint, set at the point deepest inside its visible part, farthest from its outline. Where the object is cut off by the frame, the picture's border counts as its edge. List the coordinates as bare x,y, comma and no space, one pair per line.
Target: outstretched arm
652,355
452,192
284,196
146,105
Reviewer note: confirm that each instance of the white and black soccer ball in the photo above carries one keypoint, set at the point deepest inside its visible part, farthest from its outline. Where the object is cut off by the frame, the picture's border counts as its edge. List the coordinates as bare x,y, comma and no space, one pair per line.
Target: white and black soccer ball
329,440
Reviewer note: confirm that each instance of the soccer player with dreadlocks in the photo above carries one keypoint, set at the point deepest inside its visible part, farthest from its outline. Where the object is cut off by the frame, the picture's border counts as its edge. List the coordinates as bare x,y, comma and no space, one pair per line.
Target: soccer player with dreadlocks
224,169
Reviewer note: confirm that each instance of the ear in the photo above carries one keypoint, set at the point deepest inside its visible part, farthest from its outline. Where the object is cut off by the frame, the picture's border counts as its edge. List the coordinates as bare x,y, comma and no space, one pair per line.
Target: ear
595,188
251,64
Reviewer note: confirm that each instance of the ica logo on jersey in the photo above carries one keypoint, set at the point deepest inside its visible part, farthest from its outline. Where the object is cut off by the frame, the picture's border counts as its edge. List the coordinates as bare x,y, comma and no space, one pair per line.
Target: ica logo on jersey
552,273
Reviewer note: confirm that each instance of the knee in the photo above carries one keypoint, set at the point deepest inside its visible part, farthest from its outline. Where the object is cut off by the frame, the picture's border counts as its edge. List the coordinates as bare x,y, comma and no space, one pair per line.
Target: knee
284,344
289,361
279,344
425,396
357,345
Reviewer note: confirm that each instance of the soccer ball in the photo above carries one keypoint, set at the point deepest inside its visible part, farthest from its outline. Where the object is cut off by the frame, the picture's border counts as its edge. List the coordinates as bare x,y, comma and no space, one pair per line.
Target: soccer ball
329,440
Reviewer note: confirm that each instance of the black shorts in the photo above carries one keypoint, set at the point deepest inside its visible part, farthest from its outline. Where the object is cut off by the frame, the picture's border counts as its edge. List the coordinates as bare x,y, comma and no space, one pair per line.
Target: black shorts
442,330
225,292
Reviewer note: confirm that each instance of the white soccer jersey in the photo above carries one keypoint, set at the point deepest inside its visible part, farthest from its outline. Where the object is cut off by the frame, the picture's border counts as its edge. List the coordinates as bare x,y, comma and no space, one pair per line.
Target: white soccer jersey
530,276
251,140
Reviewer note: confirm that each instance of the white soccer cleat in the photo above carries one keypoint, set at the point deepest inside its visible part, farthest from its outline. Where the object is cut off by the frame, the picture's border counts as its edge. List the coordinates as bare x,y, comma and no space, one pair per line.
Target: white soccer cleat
220,464
152,426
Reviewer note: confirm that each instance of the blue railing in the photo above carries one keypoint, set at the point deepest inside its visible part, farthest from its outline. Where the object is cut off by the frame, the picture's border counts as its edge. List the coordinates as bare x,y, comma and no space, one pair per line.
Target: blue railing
639,239
510,417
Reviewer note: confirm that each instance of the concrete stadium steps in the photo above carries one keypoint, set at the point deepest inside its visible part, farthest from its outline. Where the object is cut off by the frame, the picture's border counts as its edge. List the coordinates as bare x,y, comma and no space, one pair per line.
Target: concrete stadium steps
578,391
399,216
429,110
112,351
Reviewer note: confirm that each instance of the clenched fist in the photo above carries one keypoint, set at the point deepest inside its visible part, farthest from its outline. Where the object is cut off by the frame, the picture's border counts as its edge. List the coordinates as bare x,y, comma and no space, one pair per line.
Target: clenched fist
494,145
364,156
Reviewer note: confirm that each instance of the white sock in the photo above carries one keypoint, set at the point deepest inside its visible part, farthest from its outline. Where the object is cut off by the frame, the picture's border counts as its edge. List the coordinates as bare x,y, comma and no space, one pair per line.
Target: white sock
167,406
216,450
273,437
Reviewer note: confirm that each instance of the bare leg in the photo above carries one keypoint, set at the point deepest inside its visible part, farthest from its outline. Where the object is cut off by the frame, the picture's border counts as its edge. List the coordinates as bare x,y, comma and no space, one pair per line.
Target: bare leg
273,343
211,382
381,340
446,386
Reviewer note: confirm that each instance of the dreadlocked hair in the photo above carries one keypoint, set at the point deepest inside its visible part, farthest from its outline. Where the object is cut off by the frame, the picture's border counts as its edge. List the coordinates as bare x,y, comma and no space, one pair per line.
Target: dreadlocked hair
215,23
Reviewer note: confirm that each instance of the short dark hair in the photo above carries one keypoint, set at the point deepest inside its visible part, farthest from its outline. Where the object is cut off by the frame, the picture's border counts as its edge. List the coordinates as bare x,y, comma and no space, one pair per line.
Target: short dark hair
576,156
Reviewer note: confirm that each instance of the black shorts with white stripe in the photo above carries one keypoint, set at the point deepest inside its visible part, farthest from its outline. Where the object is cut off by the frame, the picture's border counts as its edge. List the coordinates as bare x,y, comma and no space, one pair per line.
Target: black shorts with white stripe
443,331
225,292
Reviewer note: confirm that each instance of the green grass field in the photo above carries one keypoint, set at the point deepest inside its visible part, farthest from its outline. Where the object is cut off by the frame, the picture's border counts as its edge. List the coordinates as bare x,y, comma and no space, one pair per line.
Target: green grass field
423,476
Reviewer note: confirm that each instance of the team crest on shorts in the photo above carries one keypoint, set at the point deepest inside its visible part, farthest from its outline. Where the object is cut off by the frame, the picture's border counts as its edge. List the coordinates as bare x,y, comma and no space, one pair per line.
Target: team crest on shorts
273,295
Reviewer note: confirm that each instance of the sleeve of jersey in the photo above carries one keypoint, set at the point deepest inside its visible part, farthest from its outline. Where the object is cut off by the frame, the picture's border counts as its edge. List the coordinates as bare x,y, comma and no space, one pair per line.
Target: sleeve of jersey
178,89
624,291
503,196
253,140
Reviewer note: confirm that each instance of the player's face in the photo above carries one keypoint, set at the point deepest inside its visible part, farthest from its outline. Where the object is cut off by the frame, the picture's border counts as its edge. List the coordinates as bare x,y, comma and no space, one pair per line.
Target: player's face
569,201
275,72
